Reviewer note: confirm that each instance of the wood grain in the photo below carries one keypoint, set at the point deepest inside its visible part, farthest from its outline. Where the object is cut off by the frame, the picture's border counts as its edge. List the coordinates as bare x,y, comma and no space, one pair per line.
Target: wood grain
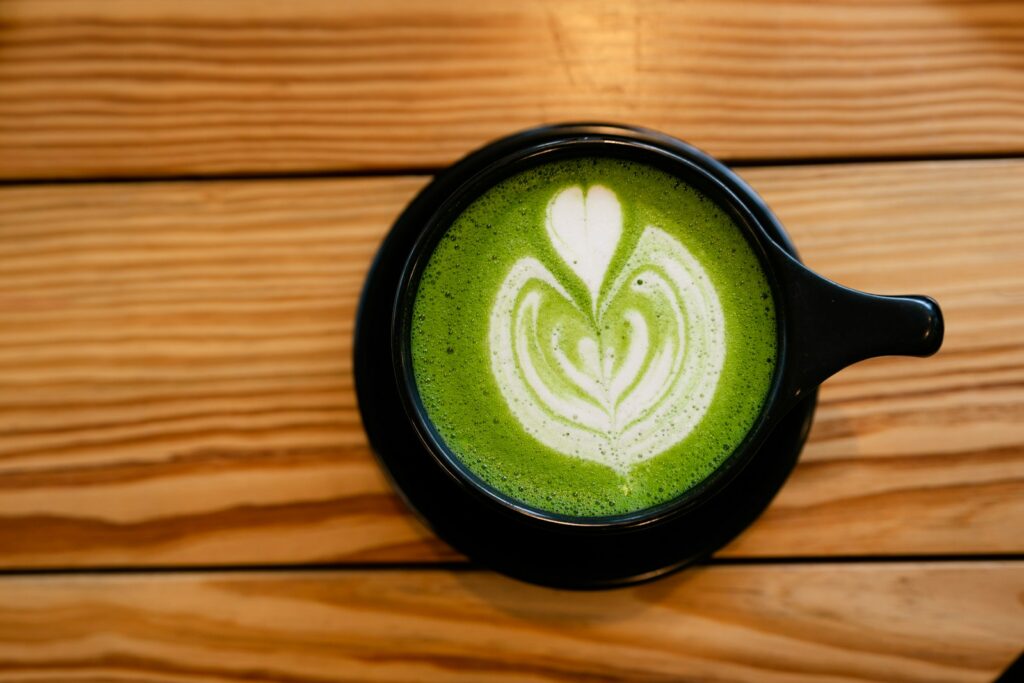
177,385
836,623
211,86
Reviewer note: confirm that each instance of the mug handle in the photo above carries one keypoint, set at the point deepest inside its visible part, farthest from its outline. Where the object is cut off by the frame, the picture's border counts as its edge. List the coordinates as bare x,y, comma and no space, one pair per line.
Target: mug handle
829,327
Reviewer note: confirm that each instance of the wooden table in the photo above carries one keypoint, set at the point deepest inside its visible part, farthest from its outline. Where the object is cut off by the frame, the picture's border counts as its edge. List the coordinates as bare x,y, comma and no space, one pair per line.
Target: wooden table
193,190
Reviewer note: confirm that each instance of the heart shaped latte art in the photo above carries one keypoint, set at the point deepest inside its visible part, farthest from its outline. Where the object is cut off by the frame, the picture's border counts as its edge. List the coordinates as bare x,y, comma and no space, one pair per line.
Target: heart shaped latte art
628,377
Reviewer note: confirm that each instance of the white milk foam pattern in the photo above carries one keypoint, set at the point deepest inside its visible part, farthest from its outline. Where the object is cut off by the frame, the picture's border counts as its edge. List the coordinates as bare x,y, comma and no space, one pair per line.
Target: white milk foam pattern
557,365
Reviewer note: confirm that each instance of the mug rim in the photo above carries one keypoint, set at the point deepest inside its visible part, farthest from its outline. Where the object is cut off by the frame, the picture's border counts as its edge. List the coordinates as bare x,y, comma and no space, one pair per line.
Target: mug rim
545,145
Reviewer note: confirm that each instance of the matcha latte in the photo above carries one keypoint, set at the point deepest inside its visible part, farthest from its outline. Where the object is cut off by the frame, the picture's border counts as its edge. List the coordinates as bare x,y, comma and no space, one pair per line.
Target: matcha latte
593,337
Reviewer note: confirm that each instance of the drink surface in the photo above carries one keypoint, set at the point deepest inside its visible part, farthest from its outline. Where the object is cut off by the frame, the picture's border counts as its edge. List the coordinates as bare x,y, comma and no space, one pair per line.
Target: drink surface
593,337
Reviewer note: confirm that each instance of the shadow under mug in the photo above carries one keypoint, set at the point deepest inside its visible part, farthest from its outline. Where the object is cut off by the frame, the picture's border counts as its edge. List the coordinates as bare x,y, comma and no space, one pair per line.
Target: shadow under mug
821,328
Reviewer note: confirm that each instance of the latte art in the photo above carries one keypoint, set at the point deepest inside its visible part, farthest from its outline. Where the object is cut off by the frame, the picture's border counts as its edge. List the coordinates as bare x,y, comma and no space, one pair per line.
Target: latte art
631,374
592,336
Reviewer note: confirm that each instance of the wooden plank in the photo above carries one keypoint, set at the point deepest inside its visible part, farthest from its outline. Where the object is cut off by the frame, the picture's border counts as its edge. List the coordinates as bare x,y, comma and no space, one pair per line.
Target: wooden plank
177,87
177,384
900,623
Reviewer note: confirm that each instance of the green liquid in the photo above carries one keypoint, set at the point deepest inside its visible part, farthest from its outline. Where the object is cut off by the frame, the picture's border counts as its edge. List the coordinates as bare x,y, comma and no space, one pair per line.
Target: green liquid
593,337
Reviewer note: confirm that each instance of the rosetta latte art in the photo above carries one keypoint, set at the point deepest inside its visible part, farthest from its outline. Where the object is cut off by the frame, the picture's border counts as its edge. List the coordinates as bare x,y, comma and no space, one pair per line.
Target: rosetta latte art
627,377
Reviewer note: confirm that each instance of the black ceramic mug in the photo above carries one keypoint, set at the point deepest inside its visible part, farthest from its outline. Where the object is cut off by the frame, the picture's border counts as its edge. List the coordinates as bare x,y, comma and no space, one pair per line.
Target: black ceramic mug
821,328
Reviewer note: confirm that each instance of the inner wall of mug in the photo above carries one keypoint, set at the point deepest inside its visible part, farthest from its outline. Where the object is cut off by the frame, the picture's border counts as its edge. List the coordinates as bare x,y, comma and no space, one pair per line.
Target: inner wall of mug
739,441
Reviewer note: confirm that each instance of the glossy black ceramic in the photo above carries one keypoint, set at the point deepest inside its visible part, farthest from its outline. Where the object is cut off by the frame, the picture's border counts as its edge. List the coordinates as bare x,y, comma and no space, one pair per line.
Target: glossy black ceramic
822,327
